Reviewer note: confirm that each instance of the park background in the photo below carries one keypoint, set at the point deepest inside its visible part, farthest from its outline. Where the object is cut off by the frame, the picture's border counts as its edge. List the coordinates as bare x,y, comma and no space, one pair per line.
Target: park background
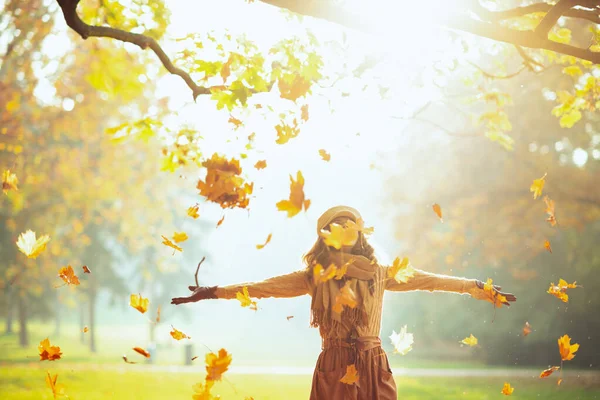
408,124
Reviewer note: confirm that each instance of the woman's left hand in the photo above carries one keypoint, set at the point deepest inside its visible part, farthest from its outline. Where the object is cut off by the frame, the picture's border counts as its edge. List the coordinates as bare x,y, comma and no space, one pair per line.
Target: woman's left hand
480,294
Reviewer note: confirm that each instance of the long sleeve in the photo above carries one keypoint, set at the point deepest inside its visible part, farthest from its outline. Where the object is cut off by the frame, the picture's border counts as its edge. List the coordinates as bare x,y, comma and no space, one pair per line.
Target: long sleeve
289,285
423,280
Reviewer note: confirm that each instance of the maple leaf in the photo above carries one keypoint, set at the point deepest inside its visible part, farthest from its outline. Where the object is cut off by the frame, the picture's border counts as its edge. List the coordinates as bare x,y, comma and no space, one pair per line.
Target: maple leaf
142,351
57,390
245,299
168,243
526,329
297,199
351,376
179,237
547,246
402,341
286,132
548,372
202,391
566,349
538,186
346,297
30,246
470,341
339,236
325,155
261,164
178,335
193,211
550,210
304,113
321,275
217,365
139,303
48,352
220,221
260,246
236,122
9,181
68,275
223,183
507,390
86,269
438,211
559,291
491,295
401,270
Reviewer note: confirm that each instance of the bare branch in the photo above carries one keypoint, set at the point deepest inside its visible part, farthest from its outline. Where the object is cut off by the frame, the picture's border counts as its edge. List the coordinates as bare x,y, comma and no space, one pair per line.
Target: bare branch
551,18
496,16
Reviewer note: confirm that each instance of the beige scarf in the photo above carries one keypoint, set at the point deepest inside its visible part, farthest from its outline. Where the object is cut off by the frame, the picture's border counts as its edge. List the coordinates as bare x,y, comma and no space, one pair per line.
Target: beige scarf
360,274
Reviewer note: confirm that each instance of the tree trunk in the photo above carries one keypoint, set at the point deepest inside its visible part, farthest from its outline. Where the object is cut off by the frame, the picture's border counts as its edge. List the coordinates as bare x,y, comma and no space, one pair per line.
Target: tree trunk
9,311
92,321
22,309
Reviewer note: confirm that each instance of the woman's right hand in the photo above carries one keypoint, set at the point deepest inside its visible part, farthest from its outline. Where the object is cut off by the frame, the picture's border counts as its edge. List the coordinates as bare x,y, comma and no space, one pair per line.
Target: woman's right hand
199,293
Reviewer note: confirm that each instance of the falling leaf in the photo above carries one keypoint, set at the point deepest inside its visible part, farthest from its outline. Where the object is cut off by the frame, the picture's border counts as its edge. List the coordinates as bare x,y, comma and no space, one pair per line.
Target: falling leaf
202,391
548,372
294,87
57,390
261,164
321,275
339,236
470,341
401,270
179,237
220,221
547,246
260,246
507,390
245,299
193,358
286,132
351,376
538,186
297,200
492,296
217,364
127,361
9,181
158,315
139,303
224,184
304,112
526,329
346,297
360,226
236,122
402,341
48,352
550,210
31,247
289,317
566,349
193,211
168,243
559,381
85,329
178,335
325,155
141,351
438,211
68,275
86,270
559,291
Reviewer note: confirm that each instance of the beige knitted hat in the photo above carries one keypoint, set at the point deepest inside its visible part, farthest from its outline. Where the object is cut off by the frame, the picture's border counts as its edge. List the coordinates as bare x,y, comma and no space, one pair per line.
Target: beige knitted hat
335,212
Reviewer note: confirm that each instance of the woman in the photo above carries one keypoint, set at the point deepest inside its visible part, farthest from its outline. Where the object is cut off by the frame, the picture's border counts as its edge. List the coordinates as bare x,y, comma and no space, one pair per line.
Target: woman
350,336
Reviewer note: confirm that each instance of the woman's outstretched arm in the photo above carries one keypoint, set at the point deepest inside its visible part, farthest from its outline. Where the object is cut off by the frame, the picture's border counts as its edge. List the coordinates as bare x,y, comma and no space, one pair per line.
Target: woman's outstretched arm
289,285
423,280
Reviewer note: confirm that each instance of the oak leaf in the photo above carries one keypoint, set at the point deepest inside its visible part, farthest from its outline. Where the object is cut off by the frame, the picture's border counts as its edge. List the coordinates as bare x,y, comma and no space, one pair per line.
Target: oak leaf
402,341
178,335
138,302
202,391
9,181
351,376
470,341
260,164
401,270
507,389
566,349
217,365
297,199
346,297
245,300
142,351
438,211
68,275
30,246
236,122
548,372
57,389
325,155
286,132
48,352
260,246
538,186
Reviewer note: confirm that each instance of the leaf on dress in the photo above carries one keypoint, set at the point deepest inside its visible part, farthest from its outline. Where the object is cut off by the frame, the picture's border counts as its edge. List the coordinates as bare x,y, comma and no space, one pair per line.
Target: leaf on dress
351,376
346,297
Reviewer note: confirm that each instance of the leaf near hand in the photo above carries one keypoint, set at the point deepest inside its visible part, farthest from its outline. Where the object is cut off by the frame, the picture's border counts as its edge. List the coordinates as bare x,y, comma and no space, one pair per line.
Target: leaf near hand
401,270
538,186
30,246
507,389
470,341
68,275
566,349
491,295
138,302
402,341
548,372
178,335
217,365
351,376
48,352
297,199
245,300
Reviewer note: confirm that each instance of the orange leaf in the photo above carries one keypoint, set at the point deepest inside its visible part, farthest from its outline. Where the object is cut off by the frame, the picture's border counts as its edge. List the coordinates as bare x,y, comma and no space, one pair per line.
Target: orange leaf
547,246
178,335
325,155
548,372
559,381
297,199
438,211
559,291
217,364
261,164
68,275
223,183
168,243
86,270
193,211
30,246
139,303
260,246
526,329
245,300
304,110
293,88
48,352
507,390
202,391
550,210
158,315
538,186
9,181
226,69
286,132
236,122
351,376
566,349
220,221
57,390
142,351
346,297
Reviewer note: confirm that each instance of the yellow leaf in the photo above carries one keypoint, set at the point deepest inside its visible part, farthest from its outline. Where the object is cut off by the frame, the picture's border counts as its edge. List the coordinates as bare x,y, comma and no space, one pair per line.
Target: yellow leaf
31,247
217,365
168,243
325,155
346,297
537,186
68,275
260,246
572,70
193,211
470,341
548,372
351,376
48,352
507,390
57,390
179,237
322,276
547,246
559,291
178,335
401,270
245,300
138,302
261,164
297,199
339,236
492,296
9,181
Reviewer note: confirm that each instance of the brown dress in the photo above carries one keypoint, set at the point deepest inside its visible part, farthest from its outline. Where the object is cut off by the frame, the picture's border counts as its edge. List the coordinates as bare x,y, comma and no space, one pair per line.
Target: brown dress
358,345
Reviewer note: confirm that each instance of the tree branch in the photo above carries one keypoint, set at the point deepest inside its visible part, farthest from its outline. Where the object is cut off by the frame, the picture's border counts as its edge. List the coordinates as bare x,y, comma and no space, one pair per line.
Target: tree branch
496,16
551,18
